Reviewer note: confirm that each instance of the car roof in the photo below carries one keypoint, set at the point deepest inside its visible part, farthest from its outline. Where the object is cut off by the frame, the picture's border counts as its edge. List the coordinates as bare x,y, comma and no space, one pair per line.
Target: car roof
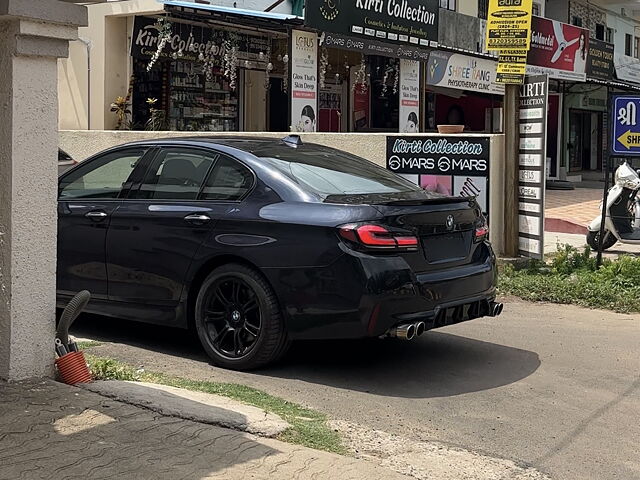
249,144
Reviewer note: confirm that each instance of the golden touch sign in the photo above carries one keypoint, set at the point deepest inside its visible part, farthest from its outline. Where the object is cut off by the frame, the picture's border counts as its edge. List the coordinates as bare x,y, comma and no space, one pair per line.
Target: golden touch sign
509,32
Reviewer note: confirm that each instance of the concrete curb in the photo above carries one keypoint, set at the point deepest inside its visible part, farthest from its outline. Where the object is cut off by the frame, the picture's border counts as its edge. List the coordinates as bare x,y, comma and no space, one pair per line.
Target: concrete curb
196,406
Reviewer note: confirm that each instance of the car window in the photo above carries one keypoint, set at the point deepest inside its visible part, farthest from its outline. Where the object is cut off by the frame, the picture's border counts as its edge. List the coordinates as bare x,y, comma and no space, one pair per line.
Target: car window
229,181
334,173
103,177
176,174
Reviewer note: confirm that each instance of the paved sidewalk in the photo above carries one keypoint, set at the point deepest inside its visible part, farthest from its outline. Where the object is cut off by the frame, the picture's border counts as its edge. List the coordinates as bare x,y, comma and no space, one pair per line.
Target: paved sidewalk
570,211
49,430
553,239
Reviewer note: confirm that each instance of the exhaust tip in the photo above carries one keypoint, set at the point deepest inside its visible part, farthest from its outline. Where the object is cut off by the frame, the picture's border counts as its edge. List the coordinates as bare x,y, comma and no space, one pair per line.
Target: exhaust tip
420,328
403,332
496,309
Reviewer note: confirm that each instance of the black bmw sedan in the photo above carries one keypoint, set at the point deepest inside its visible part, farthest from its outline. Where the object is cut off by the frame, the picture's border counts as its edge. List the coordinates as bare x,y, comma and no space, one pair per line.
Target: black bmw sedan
256,242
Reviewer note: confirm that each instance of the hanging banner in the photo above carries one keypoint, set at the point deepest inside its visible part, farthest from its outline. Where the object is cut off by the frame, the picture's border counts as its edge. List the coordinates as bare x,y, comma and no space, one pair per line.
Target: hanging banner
532,165
304,81
600,59
509,24
409,22
558,50
454,70
627,68
452,166
409,95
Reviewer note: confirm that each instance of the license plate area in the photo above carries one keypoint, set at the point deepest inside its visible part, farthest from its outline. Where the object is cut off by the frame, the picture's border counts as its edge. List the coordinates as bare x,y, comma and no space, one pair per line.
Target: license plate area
447,247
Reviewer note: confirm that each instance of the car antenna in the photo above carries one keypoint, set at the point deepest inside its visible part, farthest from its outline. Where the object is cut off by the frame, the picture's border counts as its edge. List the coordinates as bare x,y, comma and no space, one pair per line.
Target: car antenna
292,140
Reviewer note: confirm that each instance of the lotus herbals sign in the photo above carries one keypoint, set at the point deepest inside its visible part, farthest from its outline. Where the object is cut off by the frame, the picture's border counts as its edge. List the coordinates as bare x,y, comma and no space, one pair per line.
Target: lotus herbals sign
447,165
409,96
532,164
304,81
410,22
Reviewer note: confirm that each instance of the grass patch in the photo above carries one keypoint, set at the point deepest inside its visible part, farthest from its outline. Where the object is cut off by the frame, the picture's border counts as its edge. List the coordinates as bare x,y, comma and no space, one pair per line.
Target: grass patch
308,427
571,276
84,344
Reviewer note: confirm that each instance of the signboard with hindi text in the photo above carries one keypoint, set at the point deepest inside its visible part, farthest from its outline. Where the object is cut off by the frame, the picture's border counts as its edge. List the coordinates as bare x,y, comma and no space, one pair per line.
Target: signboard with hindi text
626,125
532,165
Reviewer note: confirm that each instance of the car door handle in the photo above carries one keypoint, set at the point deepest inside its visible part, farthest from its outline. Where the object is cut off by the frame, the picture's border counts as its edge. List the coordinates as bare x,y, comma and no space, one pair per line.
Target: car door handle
197,218
96,215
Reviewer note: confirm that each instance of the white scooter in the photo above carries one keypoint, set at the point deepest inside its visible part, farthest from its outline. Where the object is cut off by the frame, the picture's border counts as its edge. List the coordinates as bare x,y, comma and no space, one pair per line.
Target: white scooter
623,212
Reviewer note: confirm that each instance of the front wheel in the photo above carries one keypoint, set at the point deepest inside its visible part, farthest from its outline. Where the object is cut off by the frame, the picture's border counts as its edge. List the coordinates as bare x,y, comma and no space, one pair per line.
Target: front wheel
593,239
238,319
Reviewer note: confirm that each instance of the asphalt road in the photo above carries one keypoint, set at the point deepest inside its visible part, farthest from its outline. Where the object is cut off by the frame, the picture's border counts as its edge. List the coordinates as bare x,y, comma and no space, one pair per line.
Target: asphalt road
548,386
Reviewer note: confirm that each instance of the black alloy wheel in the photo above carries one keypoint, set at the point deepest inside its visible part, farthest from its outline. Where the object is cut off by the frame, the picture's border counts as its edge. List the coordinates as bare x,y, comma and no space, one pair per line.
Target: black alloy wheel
593,240
238,319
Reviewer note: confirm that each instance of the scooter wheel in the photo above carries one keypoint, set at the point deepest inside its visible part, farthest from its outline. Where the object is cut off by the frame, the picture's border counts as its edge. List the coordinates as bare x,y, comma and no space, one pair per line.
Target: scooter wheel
593,238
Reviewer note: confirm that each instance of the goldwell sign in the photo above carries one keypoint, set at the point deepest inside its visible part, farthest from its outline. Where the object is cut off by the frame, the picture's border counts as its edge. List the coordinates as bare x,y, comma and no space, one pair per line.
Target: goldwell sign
304,81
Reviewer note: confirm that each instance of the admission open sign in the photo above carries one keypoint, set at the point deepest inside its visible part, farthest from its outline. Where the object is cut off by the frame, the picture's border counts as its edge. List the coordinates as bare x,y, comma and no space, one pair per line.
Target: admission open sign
509,24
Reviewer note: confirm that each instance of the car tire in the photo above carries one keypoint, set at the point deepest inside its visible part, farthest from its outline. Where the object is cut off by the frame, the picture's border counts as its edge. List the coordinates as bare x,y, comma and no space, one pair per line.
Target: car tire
225,306
592,240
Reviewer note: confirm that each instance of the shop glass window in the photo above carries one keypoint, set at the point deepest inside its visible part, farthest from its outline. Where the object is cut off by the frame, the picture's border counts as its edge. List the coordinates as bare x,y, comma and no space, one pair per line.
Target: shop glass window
176,174
636,47
609,37
228,181
600,29
627,44
448,4
577,21
103,178
535,9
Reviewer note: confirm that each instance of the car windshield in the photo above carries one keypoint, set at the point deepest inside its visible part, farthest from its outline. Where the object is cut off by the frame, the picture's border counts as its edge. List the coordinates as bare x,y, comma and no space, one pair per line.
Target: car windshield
340,176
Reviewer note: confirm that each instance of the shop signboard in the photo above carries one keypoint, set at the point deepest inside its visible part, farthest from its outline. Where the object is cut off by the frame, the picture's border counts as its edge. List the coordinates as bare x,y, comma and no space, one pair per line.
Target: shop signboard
600,59
627,68
189,41
409,96
407,22
461,72
457,166
532,165
508,24
558,49
372,47
304,81
626,125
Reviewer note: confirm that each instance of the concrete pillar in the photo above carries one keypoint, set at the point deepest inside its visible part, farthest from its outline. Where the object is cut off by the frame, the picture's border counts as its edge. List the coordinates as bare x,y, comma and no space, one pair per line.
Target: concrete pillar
33,35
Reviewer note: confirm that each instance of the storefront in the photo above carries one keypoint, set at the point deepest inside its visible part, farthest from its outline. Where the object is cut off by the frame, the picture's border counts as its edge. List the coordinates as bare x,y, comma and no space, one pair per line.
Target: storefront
371,63
461,90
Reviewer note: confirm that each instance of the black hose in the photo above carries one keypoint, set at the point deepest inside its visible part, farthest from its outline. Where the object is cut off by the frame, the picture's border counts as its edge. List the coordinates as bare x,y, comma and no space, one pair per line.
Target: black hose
70,313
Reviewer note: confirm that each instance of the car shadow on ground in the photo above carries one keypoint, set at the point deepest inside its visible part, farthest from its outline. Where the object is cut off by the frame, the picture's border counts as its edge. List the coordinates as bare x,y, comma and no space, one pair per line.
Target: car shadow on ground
438,364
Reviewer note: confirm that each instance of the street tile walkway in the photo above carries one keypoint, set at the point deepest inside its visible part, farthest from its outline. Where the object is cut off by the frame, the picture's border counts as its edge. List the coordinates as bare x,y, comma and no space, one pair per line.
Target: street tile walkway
578,206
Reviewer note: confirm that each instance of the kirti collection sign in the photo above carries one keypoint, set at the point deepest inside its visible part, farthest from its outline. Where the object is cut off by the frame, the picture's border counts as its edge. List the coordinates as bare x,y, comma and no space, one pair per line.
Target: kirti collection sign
409,22
448,165
532,164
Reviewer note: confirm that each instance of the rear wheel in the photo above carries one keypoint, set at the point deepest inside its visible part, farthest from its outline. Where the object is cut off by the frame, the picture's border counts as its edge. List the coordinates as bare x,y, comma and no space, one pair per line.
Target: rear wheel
593,239
238,320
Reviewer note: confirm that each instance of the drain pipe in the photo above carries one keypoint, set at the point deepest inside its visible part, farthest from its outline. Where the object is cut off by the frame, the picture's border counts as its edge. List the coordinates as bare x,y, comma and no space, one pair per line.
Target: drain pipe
87,44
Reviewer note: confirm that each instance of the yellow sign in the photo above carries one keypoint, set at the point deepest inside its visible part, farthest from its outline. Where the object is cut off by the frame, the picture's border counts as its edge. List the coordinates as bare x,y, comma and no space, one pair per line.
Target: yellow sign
510,78
509,25
515,68
629,139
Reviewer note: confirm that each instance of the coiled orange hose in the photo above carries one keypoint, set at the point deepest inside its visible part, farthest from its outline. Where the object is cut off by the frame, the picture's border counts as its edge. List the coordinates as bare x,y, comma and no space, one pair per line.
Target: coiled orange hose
73,368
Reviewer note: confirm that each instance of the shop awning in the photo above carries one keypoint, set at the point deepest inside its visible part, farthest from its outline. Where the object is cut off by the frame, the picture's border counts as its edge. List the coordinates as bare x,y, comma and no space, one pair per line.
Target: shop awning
241,16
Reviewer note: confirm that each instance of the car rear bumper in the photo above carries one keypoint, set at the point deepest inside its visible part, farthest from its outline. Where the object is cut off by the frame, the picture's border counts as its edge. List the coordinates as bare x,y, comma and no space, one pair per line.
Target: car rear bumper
365,296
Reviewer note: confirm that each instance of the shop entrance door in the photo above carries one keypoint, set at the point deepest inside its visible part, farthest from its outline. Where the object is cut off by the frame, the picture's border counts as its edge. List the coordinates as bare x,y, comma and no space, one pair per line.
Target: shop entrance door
585,152
278,106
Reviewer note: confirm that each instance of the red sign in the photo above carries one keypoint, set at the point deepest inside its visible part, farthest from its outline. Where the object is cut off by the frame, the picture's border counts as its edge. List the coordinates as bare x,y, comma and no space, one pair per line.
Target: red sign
558,49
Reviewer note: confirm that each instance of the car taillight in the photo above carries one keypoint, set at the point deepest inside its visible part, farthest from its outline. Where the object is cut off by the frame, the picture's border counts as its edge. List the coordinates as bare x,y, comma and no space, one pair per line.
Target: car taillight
481,233
376,236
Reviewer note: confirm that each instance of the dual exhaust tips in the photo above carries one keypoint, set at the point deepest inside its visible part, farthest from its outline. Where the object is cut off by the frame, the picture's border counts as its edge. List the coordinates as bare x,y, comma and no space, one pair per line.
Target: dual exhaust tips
409,331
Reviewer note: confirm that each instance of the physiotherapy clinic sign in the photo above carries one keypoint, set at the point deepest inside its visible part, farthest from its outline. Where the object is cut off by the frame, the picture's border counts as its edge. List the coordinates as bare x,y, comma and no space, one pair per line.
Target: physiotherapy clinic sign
449,165
409,22
454,70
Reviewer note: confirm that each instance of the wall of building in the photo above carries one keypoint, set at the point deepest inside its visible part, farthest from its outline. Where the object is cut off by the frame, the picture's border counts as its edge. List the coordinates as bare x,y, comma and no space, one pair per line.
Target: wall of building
468,7
590,15
622,26
557,10
467,33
